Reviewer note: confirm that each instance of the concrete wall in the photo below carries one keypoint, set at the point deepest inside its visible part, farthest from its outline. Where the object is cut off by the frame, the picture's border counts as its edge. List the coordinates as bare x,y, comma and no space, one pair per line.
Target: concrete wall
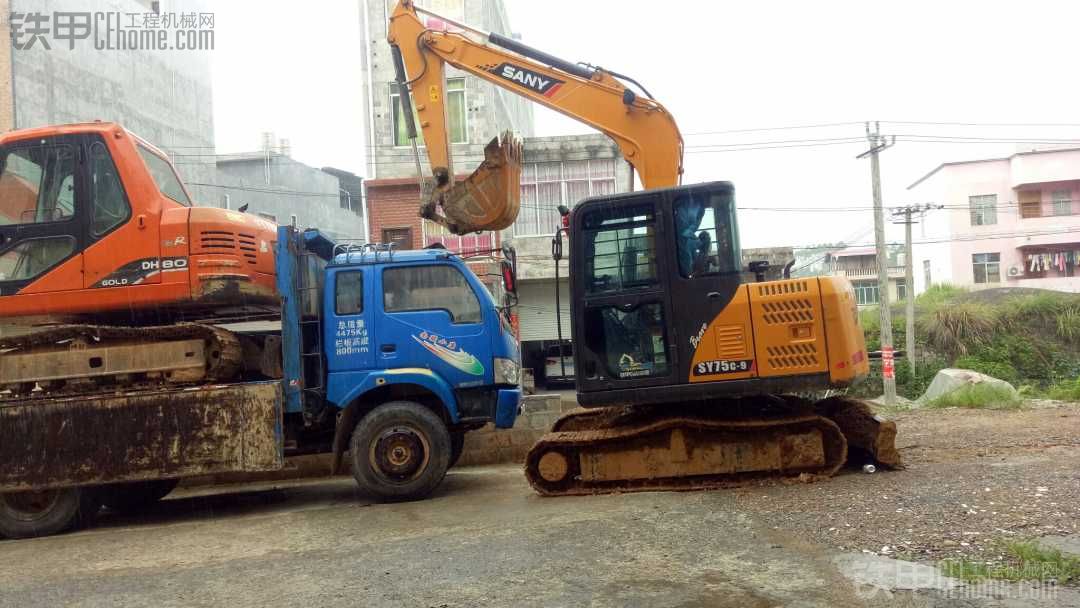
489,109
309,193
163,96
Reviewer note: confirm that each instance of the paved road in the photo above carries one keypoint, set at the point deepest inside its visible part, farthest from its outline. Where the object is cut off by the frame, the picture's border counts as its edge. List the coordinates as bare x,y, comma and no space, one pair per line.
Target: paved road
484,540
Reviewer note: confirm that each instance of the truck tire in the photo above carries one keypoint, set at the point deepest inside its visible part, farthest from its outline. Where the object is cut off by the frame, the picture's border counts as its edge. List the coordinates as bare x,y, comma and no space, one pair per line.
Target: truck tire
457,445
128,497
400,451
32,514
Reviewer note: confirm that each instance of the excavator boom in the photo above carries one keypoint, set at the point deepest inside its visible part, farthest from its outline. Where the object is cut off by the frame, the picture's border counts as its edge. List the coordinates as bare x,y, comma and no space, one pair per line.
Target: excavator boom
488,199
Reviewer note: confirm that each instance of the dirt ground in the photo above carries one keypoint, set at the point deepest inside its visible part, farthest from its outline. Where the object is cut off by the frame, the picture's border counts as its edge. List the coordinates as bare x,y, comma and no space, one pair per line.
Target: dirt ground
486,540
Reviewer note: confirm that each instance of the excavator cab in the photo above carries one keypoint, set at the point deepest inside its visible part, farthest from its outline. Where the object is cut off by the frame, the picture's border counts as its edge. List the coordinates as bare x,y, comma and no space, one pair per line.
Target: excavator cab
648,267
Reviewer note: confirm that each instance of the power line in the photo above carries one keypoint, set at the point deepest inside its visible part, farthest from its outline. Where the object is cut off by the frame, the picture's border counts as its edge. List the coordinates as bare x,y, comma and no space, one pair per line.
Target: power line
787,128
983,124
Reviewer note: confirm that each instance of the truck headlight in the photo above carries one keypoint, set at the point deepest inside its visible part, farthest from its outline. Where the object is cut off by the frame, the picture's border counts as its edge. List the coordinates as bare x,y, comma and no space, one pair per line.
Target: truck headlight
507,371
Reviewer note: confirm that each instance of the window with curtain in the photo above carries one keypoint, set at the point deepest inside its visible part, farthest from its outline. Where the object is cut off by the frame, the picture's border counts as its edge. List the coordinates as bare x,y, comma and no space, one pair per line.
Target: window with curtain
983,209
986,267
545,186
1062,202
456,113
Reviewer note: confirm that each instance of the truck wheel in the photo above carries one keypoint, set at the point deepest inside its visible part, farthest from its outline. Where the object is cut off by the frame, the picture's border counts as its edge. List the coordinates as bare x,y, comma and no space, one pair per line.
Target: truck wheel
457,445
400,451
128,497
31,514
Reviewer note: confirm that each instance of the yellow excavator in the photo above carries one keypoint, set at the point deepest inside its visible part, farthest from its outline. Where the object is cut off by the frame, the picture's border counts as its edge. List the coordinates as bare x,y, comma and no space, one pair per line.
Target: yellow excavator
690,375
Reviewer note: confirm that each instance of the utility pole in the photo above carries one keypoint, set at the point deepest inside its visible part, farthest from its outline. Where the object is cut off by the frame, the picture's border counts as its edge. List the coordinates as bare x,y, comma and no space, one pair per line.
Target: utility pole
877,144
909,278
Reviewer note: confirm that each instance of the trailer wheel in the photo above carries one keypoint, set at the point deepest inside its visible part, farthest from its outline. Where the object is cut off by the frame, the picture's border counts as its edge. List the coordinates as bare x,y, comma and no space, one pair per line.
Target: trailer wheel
31,514
400,451
457,445
128,497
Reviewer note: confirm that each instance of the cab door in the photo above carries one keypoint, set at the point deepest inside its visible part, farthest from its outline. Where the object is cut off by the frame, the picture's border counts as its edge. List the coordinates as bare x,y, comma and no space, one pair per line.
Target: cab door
622,311
348,331
714,321
432,318
42,215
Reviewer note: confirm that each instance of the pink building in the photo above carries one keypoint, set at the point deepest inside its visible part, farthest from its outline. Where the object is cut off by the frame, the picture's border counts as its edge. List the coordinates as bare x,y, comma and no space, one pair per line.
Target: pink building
1006,222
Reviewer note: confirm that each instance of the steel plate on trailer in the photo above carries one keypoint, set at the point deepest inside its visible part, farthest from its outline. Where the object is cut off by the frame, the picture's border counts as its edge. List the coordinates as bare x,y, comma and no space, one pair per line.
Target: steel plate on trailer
92,440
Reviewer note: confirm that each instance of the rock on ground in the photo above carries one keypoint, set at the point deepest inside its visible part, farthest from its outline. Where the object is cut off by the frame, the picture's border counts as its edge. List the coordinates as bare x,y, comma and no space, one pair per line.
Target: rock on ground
949,380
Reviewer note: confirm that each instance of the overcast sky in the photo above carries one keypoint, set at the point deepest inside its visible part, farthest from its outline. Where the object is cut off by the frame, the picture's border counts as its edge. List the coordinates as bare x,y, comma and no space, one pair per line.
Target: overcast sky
717,66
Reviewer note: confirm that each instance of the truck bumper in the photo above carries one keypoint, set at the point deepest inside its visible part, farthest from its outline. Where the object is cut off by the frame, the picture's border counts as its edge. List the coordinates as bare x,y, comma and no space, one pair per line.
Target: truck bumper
158,434
506,410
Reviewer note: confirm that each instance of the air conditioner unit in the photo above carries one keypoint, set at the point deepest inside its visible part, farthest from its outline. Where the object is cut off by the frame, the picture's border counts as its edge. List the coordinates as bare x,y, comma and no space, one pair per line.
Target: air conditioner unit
1014,271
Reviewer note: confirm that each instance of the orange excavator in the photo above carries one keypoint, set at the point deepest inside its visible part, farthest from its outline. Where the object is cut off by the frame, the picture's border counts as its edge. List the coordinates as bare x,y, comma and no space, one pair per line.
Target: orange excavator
692,376
109,277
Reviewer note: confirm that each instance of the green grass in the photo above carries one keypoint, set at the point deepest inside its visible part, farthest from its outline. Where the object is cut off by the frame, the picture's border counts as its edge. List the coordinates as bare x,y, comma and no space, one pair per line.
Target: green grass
1068,322
939,294
1024,561
979,396
1068,390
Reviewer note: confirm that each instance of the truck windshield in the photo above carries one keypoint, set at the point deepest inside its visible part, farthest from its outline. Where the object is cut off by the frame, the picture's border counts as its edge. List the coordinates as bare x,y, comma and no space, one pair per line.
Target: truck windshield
441,287
164,176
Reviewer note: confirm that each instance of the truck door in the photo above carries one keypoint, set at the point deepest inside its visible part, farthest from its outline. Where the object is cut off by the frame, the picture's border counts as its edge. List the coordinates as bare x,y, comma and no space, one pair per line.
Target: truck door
432,318
42,215
348,332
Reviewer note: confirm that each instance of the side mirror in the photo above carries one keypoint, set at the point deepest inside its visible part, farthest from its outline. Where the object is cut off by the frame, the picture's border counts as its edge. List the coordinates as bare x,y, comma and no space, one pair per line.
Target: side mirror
509,276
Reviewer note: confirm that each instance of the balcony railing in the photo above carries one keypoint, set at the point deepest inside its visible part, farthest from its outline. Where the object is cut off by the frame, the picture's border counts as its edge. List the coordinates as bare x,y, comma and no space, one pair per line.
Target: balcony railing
867,272
1048,208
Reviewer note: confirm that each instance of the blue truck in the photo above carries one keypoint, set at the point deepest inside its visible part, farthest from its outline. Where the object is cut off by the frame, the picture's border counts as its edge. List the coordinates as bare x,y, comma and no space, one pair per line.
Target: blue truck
387,358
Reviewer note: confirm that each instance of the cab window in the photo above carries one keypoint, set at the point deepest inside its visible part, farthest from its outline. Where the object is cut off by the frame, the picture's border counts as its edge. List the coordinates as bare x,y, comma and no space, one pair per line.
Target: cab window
33,257
349,293
441,287
164,176
37,184
111,207
705,236
620,248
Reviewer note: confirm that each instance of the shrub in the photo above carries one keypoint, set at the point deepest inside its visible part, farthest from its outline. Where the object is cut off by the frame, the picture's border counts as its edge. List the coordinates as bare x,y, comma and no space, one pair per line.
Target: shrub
1068,322
957,328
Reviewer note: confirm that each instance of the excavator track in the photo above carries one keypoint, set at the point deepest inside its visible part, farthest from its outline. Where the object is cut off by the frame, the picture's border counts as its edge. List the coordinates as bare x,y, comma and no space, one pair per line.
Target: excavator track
87,359
686,448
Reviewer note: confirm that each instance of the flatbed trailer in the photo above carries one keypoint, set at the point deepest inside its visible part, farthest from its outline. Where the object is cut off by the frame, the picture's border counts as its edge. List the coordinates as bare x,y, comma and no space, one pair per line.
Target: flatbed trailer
394,382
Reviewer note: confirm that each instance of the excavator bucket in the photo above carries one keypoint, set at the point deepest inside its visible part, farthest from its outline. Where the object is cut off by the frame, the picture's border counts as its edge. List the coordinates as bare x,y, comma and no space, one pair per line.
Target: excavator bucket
488,199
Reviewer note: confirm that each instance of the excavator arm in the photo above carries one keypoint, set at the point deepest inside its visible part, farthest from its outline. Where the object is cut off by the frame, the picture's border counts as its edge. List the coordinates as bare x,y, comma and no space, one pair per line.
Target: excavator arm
488,199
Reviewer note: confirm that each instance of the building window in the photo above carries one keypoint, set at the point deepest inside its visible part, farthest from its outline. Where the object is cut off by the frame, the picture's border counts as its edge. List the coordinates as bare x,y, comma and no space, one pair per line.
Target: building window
401,238
983,209
1062,202
986,267
866,292
545,186
901,292
926,273
457,126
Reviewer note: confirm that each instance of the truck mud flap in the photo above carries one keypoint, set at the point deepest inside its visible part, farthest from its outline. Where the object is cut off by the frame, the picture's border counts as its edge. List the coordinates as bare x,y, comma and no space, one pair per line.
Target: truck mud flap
93,440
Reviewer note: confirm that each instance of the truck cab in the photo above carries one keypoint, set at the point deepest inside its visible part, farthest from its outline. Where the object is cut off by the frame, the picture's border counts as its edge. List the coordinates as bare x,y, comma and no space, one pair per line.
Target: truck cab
400,353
